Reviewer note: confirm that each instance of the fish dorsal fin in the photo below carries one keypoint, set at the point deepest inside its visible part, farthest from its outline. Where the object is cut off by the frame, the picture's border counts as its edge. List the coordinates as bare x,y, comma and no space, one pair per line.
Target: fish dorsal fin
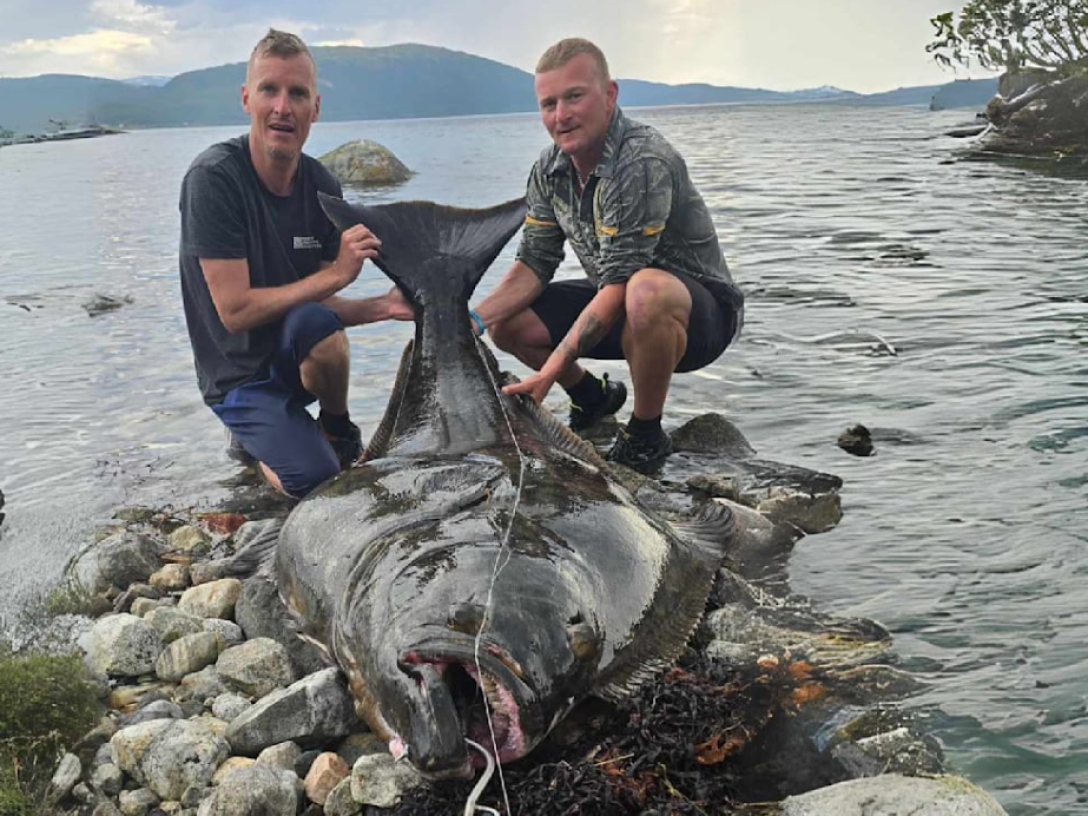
699,549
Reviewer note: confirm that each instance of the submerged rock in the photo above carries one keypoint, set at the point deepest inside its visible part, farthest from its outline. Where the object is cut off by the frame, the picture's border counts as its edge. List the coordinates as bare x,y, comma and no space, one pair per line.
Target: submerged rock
367,163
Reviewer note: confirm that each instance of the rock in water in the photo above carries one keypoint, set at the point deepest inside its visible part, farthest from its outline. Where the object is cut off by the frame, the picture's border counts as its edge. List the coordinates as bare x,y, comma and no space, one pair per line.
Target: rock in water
367,163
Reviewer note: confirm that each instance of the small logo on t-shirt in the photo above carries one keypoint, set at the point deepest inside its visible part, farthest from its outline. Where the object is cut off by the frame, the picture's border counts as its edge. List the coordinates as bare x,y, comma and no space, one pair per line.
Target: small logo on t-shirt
306,242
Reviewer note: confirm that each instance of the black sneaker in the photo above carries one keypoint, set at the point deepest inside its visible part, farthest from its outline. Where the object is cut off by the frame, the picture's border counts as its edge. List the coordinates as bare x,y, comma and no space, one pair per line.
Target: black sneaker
236,452
644,454
615,395
347,448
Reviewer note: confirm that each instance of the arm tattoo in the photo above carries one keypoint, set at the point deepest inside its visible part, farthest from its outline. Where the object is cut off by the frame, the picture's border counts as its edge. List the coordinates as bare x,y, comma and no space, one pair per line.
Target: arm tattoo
591,332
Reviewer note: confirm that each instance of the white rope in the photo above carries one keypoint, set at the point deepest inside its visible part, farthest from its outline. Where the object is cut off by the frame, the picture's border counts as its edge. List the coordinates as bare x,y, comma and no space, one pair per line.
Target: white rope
470,805
500,563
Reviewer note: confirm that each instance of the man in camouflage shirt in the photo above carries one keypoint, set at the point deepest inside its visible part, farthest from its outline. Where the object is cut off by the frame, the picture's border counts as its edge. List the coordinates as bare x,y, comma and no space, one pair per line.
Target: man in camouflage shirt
658,292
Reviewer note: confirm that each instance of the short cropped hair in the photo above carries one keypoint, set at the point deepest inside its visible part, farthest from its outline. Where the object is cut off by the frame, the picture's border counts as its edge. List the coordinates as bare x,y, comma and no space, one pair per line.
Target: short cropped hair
278,44
565,50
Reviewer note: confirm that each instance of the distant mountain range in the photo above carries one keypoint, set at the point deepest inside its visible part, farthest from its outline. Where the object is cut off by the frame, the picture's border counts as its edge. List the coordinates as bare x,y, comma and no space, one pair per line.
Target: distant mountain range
393,82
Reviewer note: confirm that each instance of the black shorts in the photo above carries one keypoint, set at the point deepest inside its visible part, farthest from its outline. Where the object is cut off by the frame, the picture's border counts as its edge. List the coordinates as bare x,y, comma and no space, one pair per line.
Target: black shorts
710,327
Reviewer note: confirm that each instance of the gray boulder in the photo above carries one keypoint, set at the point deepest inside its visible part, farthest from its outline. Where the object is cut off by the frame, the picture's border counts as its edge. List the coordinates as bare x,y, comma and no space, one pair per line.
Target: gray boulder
313,710
892,795
120,560
365,162
122,646
256,667
169,756
257,789
188,654
381,781
261,614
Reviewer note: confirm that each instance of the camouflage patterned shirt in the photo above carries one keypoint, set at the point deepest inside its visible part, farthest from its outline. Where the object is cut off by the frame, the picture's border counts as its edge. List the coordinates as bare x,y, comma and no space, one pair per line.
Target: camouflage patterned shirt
638,209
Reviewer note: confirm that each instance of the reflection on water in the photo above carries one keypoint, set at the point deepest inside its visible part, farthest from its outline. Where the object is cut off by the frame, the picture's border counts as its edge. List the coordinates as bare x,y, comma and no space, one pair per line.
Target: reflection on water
942,305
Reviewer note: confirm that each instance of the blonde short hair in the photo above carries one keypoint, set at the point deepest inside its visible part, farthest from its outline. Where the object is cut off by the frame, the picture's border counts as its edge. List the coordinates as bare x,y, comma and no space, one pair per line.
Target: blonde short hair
565,50
280,44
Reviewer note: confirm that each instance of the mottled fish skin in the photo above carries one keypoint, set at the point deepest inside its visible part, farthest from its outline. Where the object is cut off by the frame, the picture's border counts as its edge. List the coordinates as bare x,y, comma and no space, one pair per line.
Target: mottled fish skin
472,501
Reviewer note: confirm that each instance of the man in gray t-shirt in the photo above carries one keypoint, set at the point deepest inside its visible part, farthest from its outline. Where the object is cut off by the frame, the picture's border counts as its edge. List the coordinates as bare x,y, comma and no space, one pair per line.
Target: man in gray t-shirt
261,267
658,293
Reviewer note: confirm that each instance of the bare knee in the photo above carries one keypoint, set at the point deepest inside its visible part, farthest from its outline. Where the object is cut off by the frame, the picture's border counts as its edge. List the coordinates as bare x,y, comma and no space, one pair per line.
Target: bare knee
333,350
656,300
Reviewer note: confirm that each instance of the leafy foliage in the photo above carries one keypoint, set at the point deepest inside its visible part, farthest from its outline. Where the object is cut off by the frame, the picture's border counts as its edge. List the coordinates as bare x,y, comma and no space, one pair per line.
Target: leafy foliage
1014,35
46,705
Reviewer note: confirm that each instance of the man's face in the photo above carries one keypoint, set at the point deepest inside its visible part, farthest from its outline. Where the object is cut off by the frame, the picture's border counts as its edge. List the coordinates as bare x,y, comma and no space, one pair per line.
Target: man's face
282,102
576,105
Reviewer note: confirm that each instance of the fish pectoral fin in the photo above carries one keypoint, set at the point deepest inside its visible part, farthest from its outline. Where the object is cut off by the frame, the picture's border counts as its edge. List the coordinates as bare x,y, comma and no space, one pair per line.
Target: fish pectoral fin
666,627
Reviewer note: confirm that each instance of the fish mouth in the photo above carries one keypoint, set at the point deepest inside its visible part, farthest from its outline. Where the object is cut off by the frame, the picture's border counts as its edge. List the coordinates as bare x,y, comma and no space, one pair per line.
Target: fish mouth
493,703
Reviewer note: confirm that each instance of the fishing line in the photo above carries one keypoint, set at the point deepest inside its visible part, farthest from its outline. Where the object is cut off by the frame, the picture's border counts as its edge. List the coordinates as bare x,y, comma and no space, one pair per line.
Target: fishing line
502,558
470,805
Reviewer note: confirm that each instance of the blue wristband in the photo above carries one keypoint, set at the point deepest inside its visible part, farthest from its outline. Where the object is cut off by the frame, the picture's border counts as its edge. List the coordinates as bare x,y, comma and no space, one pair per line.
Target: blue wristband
479,321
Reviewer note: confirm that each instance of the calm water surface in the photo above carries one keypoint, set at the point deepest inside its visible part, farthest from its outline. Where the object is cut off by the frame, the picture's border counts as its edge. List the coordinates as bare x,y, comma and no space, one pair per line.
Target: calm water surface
965,535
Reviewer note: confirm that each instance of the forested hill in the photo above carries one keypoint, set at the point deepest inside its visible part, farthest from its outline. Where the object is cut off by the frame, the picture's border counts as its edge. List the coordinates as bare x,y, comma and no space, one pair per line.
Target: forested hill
401,81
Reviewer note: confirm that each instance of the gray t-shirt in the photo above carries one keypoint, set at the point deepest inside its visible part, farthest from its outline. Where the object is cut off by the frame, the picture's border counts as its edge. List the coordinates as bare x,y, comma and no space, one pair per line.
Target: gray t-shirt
227,213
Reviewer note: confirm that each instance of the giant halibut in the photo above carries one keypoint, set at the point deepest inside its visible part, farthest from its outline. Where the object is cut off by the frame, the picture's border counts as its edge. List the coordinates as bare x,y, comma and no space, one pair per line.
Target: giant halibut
483,570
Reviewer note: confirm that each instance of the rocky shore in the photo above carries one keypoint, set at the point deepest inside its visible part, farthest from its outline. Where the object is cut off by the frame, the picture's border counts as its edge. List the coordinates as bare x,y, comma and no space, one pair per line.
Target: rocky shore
1038,115
213,706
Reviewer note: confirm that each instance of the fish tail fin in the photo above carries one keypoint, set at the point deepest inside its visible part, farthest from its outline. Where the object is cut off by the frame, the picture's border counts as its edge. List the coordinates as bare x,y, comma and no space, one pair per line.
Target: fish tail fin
423,241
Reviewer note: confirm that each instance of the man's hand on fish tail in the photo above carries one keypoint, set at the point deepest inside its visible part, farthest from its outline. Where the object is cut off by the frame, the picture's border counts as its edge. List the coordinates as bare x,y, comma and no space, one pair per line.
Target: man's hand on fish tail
357,244
588,330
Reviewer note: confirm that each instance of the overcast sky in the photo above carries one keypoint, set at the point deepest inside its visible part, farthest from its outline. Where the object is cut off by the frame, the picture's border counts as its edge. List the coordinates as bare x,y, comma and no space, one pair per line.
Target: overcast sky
862,45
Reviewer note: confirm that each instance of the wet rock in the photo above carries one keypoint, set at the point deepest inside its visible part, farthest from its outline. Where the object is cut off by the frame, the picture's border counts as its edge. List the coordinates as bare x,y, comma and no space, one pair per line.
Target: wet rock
261,614
364,162
381,781
327,771
168,756
890,795
122,646
256,667
118,561
899,751
189,654
256,789
310,712
101,304
760,549
215,599
712,434
856,440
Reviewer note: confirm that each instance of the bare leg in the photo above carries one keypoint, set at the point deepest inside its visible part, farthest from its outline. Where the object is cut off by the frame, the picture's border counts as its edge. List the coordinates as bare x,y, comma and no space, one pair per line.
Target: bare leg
658,308
325,372
526,337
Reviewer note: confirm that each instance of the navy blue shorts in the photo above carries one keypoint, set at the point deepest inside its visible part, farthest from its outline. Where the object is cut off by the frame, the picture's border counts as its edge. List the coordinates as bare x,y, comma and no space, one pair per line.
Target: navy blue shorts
710,327
268,415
